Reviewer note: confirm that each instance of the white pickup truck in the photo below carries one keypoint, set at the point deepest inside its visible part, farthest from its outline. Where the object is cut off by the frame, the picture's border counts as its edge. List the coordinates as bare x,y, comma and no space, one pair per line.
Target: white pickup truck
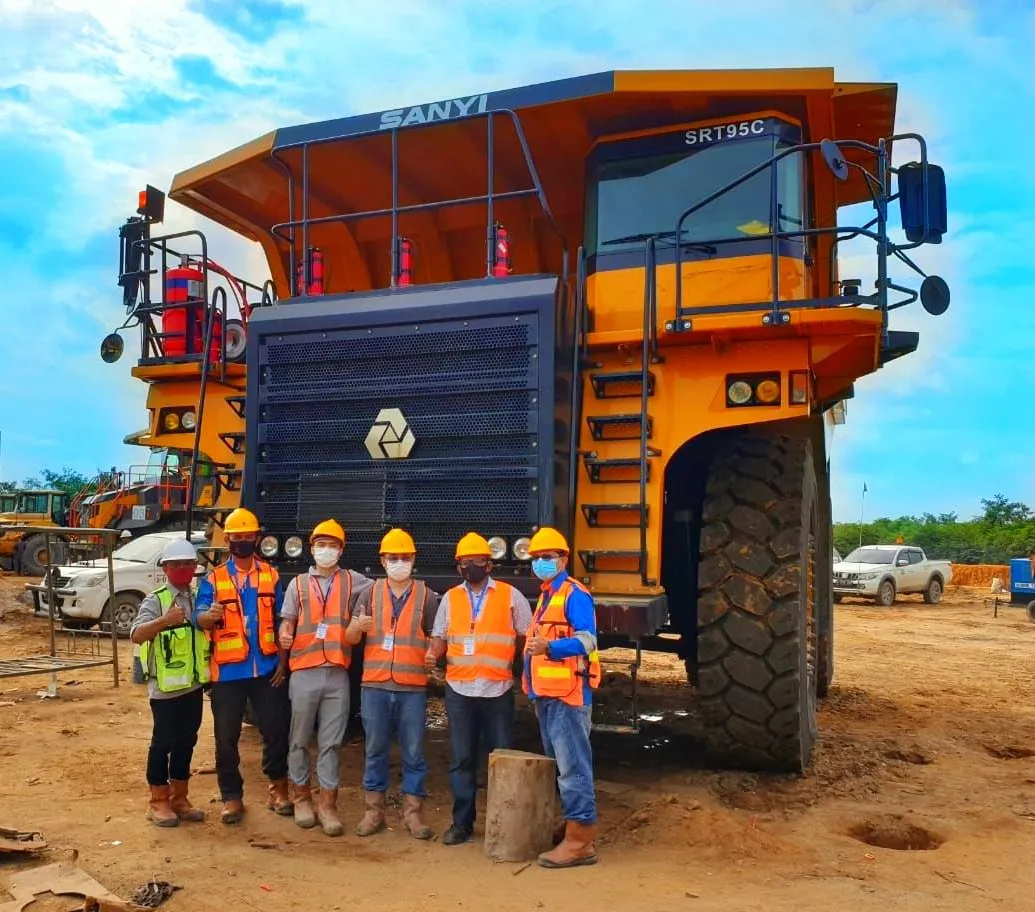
883,572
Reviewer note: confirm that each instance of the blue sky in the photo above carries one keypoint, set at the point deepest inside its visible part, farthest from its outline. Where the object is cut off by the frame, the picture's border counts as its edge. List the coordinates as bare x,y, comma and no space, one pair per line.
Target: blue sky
94,102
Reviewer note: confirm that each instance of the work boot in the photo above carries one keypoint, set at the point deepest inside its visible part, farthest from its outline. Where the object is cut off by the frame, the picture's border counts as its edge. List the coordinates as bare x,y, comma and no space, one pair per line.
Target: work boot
181,803
327,811
302,797
160,812
576,849
233,811
279,800
418,829
374,818
558,833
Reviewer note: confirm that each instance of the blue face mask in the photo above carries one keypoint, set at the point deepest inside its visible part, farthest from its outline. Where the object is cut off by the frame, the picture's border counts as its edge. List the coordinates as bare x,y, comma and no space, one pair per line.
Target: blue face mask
545,568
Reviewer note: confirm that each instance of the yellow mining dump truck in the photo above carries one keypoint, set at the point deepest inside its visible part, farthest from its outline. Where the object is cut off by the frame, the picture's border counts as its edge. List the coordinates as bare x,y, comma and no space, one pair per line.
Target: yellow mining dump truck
44,507
609,303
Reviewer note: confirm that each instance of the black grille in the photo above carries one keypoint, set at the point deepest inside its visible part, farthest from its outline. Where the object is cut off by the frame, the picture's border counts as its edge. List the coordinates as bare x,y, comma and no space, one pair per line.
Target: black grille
470,393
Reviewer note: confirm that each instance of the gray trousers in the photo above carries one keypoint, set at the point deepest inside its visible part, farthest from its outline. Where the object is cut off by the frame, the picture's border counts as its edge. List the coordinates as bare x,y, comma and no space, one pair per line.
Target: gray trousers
319,700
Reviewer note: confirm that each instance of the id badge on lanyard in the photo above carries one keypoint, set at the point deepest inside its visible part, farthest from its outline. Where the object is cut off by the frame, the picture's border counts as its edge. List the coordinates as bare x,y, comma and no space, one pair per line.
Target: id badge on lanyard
321,628
476,607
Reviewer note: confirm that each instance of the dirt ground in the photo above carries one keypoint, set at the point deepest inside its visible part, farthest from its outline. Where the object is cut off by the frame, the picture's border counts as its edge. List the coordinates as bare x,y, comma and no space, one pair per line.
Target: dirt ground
921,793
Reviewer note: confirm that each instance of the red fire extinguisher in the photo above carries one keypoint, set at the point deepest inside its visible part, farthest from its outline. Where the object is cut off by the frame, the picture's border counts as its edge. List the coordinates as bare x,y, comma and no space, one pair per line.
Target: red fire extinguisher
405,261
315,287
183,310
501,252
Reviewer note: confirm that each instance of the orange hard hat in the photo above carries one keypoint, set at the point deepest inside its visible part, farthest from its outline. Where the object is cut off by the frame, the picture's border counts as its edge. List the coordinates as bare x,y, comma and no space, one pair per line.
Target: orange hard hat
472,545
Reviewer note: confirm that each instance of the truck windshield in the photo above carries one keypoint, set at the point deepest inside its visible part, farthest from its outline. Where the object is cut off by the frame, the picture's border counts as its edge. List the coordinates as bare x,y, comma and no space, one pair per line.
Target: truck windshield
870,556
636,197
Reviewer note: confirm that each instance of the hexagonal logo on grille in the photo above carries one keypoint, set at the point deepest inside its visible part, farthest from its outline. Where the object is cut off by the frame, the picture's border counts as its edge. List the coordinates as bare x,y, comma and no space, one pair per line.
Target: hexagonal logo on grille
390,437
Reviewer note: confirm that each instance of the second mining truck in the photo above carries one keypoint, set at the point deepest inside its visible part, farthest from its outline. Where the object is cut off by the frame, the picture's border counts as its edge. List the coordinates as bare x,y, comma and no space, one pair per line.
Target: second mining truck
609,303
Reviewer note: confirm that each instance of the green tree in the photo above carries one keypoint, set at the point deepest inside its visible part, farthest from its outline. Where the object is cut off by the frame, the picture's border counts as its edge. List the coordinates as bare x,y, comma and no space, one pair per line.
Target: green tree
68,480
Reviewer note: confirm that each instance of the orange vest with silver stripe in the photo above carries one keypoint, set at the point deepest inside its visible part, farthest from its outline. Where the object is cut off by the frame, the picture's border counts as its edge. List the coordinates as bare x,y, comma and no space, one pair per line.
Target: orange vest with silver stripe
562,679
404,662
229,643
493,633
307,650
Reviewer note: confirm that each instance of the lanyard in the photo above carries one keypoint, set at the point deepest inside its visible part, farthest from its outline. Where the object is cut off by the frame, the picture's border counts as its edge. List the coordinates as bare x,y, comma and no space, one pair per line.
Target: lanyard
398,603
476,602
323,595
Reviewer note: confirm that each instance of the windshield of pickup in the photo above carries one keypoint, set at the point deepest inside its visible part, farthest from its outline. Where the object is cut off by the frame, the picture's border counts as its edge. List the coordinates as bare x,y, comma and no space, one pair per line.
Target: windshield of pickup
641,188
870,556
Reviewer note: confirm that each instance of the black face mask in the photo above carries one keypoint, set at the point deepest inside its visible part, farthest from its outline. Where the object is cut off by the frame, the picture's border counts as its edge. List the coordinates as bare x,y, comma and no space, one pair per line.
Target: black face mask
242,548
474,574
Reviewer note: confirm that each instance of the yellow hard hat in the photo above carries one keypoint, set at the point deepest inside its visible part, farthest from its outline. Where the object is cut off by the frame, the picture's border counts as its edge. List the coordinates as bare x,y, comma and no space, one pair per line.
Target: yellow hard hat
241,520
398,541
547,539
472,545
329,528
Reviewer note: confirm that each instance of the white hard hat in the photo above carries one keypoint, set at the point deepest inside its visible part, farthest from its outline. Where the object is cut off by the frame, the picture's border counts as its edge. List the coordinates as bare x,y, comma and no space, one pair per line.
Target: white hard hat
178,549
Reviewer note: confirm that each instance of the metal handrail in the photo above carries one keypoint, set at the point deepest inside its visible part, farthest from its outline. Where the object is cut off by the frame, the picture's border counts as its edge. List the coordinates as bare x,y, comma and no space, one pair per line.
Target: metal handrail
649,298
285,231
878,187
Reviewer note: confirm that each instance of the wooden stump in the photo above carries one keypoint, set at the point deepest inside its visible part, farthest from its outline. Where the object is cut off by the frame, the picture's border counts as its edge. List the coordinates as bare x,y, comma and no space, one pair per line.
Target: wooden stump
521,805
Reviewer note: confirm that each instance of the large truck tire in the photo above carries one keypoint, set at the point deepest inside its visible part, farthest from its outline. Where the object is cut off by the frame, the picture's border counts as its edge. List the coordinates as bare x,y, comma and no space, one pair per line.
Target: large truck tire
34,557
825,608
756,608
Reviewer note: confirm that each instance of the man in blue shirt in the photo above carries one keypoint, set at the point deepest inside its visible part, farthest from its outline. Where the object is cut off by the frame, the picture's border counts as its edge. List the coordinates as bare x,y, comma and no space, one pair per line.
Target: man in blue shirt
561,670
239,604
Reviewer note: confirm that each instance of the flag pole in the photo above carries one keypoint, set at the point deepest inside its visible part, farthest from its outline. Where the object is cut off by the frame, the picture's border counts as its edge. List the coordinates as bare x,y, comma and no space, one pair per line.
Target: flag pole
862,513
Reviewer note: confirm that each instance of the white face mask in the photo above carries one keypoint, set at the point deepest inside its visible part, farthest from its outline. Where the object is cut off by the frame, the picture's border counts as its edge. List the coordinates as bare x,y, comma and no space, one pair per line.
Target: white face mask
325,556
398,570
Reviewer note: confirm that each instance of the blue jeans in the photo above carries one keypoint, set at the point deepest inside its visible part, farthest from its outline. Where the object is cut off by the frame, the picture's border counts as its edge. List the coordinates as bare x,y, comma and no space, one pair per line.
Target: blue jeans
565,730
489,719
389,714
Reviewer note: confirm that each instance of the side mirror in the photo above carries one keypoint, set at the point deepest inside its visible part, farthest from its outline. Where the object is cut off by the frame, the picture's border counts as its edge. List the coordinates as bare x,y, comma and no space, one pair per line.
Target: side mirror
834,159
903,562
934,295
112,346
922,203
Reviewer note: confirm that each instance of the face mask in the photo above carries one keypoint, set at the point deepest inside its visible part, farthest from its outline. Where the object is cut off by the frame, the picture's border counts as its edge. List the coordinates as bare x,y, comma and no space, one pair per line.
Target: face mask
180,577
473,573
242,548
326,557
545,568
398,570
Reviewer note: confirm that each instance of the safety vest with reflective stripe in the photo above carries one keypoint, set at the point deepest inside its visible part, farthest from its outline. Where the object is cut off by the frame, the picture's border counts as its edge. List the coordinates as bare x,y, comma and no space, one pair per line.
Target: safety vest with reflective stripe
176,658
561,679
229,642
493,635
308,650
404,662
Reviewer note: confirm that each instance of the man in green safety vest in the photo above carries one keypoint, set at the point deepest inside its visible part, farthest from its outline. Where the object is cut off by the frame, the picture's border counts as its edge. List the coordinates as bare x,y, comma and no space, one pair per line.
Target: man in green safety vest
174,655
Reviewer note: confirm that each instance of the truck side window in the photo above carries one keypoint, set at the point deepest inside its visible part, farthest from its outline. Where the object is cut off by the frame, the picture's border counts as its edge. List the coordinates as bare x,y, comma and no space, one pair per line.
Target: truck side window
914,557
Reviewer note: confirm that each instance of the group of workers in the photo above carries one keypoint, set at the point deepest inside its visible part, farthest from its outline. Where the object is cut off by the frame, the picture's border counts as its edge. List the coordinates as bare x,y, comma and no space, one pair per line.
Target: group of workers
287,651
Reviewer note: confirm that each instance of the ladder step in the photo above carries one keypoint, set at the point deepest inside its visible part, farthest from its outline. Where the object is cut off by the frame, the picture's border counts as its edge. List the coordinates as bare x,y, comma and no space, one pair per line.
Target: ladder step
618,427
237,404
612,561
621,384
617,470
234,440
615,516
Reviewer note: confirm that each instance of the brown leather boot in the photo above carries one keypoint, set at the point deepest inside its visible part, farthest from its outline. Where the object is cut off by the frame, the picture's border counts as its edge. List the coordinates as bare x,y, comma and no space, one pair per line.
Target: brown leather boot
279,800
181,803
233,811
374,818
327,811
418,829
558,832
305,817
576,849
160,812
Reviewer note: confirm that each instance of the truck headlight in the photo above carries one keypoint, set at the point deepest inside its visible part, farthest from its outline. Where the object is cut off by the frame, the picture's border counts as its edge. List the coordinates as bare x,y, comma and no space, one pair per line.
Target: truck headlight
293,546
188,421
87,581
521,549
269,546
868,576
497,547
